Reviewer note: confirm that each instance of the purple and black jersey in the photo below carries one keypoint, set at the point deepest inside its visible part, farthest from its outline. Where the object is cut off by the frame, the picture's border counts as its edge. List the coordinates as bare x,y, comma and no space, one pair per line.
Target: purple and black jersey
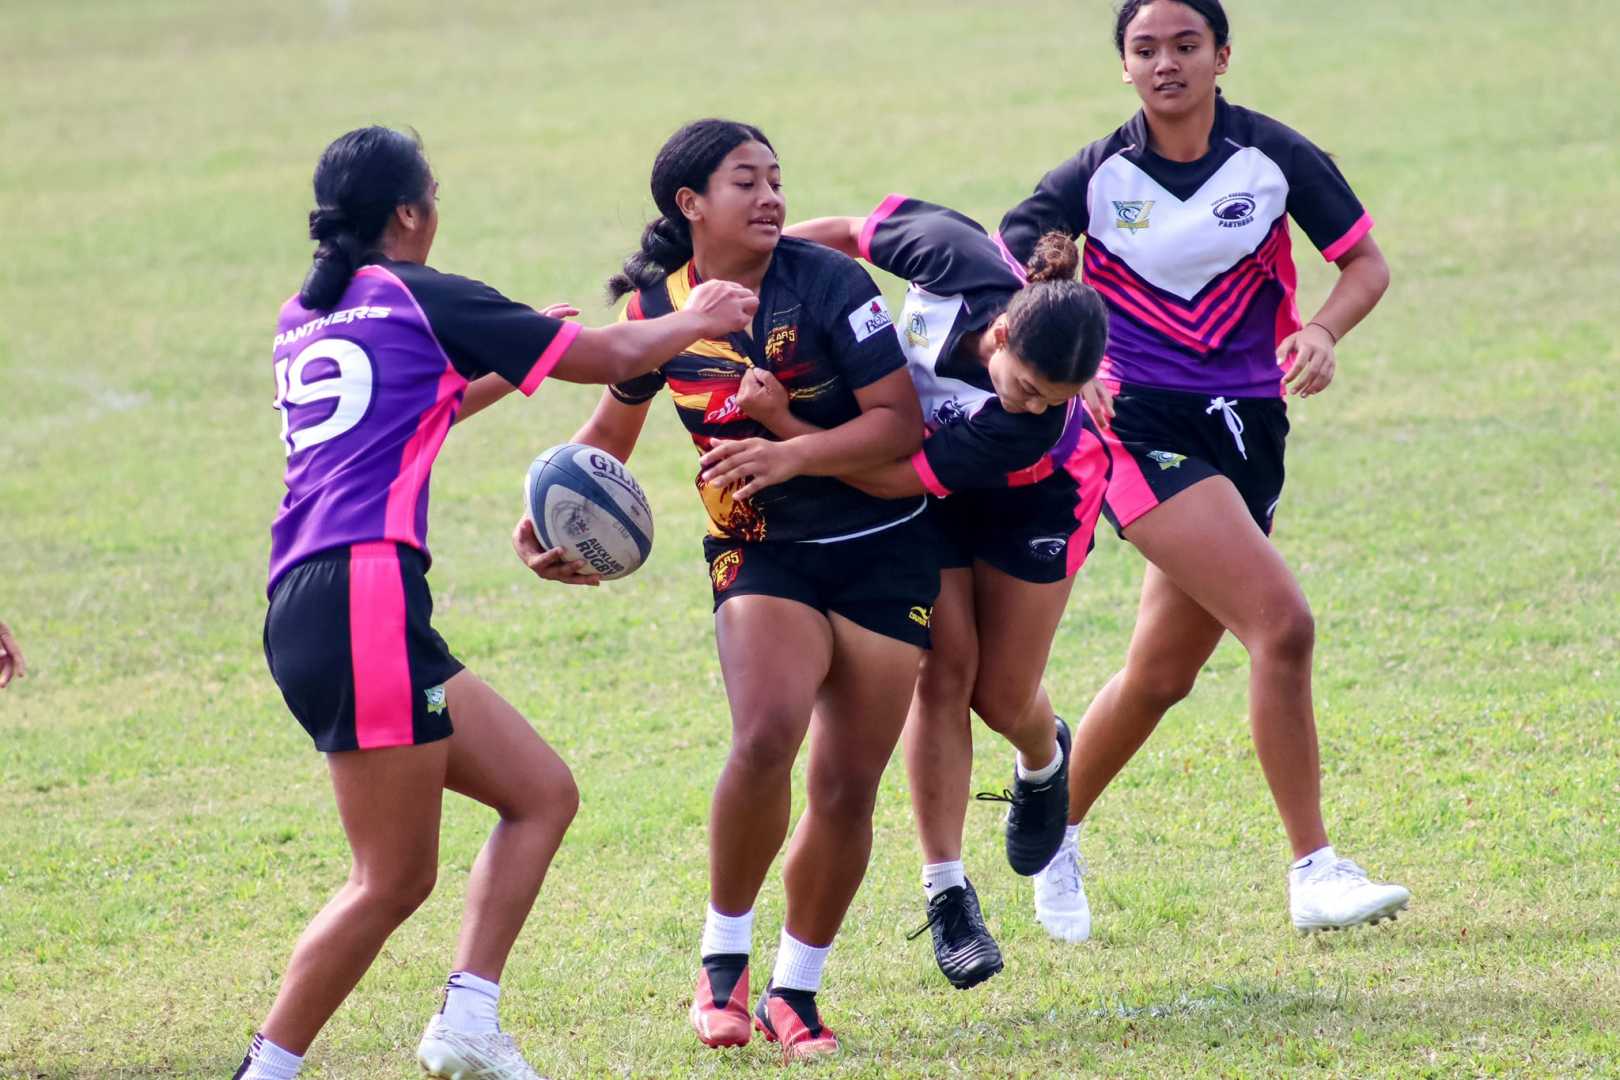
368,391
1194,258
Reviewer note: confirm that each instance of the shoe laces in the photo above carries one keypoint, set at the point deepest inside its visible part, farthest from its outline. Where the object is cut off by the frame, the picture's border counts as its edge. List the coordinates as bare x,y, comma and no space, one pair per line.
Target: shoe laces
1067,868
950,913
1341,870
1018,802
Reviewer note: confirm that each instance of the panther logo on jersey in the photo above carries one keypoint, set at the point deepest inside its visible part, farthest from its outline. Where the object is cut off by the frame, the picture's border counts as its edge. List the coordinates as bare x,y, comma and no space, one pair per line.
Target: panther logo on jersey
948,413
1132,215
1235,210
724,568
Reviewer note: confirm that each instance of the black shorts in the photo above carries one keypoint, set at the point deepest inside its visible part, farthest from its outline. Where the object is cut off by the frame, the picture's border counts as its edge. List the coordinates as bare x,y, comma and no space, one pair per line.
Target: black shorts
350,643
1165,441
886,582
1039,533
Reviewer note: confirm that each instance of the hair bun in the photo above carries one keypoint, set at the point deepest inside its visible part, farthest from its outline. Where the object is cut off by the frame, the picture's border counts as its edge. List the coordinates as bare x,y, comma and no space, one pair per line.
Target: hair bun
1055,258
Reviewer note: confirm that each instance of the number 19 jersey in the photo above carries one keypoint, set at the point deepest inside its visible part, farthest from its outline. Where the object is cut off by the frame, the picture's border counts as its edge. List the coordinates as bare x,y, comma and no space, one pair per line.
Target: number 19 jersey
368,391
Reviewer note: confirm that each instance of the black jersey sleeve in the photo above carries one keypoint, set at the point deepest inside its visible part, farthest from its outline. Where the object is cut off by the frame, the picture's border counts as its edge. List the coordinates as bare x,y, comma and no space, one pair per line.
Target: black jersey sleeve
642,388
865,347
937,249
1320,199
983,450
1059,203
483,332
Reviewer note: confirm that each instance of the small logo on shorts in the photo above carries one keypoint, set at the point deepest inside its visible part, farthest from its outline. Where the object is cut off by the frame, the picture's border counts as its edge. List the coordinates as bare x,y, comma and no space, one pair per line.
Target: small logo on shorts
1047,548
724,569
1132,215
921,615
1166,459
435,699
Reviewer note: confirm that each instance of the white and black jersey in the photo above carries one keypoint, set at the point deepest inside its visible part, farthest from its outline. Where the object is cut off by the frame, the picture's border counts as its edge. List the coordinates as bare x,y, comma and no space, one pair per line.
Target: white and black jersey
1194,258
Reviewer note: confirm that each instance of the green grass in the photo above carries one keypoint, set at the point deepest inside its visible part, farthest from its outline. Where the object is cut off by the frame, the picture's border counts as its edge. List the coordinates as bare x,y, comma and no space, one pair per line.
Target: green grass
1451,510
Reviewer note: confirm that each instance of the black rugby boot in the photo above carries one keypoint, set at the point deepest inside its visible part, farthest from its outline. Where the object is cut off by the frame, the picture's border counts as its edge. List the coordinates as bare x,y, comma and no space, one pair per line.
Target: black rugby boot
1037,813
966,953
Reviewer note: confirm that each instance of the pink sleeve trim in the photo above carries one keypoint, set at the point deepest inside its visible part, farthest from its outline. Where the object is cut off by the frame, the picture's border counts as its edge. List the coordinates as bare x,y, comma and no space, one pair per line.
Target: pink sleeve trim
1349,240
1007,256
925,472
873,220
550,358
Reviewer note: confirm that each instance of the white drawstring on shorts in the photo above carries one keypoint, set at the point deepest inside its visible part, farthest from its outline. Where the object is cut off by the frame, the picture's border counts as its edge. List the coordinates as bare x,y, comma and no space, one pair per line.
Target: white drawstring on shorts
1234,422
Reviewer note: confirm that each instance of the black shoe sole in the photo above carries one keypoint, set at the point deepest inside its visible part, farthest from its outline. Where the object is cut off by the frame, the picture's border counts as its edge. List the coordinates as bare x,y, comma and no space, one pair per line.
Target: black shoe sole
978,977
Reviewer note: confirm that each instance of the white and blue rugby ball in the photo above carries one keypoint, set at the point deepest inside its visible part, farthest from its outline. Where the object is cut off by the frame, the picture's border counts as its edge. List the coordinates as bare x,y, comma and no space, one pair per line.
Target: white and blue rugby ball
585,501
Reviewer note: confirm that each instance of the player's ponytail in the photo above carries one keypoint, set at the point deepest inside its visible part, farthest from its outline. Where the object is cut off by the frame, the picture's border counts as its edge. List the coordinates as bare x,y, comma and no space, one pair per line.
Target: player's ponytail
687,160
1212,11
1055,324
359,181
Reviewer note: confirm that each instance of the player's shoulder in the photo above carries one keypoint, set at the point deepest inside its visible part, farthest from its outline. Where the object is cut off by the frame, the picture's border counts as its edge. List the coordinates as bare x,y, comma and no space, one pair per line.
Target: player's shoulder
817,272
421,278
1251,128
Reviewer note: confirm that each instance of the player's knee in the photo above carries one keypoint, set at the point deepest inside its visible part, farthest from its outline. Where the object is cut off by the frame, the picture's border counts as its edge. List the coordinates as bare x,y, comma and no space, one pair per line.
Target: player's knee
762,748
1002,705
1157,687
946,681
848,798
561,796
1288,638
398,893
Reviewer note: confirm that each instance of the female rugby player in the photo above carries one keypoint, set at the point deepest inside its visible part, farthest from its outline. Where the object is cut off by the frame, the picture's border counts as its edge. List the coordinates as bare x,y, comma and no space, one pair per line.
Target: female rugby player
11,657
997,365
822,593
372,359
1185,212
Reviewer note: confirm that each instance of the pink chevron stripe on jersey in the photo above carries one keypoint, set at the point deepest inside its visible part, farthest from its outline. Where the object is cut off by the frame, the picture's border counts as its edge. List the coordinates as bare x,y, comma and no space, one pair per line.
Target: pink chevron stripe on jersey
382,671
1007,256
885,208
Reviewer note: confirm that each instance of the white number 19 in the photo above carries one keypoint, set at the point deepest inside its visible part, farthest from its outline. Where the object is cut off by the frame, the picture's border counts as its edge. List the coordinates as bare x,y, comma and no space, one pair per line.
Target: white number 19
350,385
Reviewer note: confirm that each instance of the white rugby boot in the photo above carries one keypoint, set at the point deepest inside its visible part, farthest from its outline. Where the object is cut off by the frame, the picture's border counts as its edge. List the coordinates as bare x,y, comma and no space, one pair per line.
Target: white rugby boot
1060,894
1337,894
453,1055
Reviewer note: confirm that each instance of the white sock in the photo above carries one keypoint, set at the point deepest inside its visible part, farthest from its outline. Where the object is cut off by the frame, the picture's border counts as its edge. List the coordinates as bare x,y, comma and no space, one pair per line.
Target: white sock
1071,834
471,1004
1042,775
727,933
1310,864
798,966
937,877
271,1062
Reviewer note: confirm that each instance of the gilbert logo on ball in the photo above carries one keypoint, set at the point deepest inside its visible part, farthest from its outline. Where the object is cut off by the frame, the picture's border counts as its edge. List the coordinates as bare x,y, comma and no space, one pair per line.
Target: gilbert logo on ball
585,501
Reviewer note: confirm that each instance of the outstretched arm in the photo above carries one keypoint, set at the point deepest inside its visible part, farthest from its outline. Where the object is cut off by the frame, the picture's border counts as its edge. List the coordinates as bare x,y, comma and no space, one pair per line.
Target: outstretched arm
839,233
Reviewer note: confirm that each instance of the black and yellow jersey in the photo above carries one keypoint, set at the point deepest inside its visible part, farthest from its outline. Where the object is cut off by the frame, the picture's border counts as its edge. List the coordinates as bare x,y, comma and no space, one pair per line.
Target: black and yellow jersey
824,331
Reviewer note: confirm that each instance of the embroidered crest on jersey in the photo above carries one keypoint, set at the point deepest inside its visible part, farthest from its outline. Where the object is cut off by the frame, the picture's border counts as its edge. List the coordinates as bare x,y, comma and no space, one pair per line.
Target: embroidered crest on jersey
869,318
1132,214
435,700
917,330
1235,210
950,411
1166,459
781,343
724,569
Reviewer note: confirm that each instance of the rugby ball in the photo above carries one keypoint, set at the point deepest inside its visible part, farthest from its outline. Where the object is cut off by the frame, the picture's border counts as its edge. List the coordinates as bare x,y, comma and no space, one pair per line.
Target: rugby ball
585,501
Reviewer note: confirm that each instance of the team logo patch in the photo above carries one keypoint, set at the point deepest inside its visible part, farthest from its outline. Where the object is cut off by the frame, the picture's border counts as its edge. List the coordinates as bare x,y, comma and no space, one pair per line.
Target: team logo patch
1166,459
435,699
1047,548
949,412
869,318
921,615
723,571
917,330
1132,215
781,344
1235,210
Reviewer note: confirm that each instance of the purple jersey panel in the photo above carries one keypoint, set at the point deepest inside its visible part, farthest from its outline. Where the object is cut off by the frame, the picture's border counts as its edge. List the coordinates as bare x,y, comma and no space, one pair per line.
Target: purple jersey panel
367,396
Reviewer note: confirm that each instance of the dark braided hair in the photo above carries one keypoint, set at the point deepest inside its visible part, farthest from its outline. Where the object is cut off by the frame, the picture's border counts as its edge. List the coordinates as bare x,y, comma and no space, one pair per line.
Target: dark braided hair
687,160
1211,10
1055,324
359,181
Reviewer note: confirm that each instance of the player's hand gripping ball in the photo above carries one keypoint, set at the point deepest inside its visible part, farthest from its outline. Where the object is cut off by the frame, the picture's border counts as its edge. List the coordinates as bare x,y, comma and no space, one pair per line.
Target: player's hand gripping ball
584,501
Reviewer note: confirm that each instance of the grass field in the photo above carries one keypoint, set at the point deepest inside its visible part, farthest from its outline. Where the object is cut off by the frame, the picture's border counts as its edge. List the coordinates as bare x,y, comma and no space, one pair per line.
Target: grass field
1451,510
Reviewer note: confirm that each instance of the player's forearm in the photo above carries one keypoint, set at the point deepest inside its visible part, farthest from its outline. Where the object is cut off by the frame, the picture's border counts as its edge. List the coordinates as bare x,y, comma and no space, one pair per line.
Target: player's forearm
614,427
481,393
878,436
1363,279
839,233
896,480
623,350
